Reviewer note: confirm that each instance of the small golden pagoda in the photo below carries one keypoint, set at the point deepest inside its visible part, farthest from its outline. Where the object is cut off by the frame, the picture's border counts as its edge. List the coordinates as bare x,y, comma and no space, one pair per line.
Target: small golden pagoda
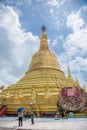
41,84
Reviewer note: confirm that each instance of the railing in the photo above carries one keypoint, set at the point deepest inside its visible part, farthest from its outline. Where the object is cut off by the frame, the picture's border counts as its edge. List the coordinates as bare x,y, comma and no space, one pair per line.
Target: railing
3,110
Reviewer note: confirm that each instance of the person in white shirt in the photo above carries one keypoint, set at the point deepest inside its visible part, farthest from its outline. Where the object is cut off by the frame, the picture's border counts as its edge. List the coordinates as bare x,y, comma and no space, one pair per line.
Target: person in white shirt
20,116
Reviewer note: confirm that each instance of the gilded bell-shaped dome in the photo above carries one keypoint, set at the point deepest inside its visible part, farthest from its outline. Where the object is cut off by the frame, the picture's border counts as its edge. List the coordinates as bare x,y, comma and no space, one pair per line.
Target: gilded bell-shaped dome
44,58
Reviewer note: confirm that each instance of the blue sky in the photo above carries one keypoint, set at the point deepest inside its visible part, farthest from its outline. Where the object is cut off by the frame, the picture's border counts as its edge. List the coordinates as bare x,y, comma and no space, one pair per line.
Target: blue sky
20,29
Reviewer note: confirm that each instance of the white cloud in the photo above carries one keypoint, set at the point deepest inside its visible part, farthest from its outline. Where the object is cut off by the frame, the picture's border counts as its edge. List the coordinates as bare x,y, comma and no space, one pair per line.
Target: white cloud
83,8
75,22
79,63
6,77
76,47
16,46
54,43
76,42
16,2
51,11
58,3
52,2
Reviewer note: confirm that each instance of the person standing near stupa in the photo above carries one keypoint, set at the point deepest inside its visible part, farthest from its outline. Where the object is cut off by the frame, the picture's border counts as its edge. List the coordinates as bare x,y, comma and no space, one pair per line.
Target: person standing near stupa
32,116
20,118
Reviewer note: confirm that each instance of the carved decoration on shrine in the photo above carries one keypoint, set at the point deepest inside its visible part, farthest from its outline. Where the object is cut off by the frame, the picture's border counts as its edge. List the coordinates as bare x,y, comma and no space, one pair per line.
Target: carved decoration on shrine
72,99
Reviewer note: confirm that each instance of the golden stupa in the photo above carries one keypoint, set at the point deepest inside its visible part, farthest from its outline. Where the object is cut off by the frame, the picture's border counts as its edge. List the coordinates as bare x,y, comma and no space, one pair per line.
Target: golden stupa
41,84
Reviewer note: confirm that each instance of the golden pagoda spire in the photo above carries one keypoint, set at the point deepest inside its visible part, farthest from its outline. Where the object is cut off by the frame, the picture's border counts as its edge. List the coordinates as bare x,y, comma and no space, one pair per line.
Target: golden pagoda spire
43,29
77,83
43,39
69,73
70,82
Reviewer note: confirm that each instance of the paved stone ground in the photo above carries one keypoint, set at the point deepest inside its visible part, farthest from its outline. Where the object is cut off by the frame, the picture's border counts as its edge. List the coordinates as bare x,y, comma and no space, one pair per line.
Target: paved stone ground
44,125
